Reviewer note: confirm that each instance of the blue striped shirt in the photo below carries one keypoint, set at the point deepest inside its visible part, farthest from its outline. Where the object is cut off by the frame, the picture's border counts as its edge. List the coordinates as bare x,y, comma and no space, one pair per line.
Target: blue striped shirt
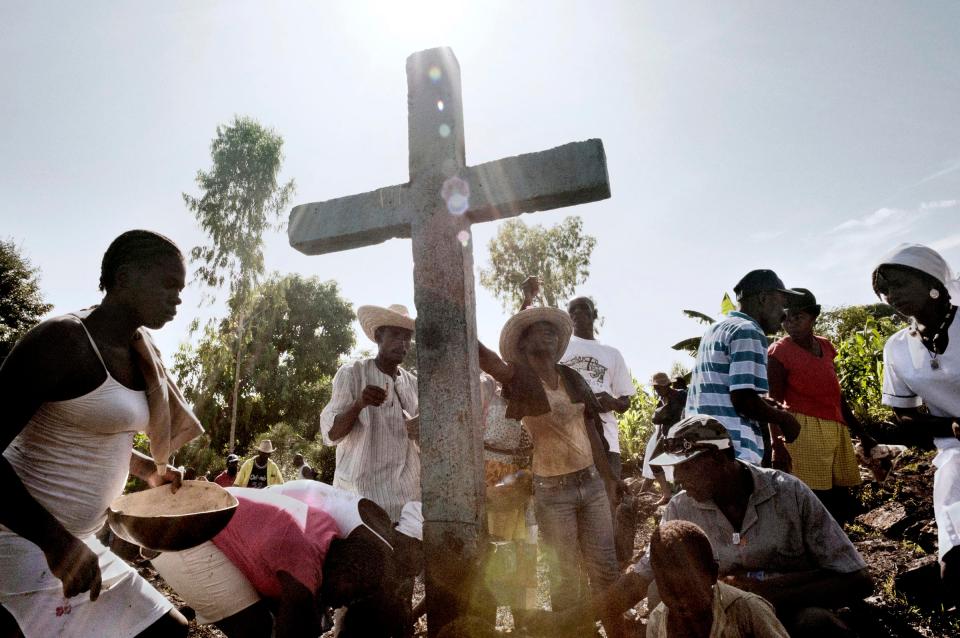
732,356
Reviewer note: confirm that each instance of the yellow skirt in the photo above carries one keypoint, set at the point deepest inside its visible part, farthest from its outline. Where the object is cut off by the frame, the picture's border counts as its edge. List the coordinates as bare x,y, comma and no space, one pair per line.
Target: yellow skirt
823,455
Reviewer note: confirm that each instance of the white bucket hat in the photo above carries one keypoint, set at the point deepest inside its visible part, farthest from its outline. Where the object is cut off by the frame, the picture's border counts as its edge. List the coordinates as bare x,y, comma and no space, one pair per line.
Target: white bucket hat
927,260
373,317
266,446
518,323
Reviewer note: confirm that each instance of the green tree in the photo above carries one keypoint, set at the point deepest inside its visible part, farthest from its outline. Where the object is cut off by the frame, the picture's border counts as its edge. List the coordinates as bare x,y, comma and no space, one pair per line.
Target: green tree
298,328
559,255
859,334
239,197
21,304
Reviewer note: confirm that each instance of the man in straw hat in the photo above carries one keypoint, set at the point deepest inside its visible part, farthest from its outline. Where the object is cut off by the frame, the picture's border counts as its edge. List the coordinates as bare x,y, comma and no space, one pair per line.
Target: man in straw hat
573,484
367,415
259,471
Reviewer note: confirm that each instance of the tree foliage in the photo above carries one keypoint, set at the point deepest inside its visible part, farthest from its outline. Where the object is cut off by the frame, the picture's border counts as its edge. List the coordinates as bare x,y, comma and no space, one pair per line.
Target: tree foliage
296,331
239,196
21,304
859,333
559,255
690,345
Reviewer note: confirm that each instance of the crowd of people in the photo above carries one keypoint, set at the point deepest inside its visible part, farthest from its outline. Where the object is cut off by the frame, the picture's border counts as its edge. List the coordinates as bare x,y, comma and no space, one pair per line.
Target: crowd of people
752,457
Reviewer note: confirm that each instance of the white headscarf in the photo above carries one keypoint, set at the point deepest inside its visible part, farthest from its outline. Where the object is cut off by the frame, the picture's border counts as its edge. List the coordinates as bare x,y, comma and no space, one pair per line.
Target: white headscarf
925,260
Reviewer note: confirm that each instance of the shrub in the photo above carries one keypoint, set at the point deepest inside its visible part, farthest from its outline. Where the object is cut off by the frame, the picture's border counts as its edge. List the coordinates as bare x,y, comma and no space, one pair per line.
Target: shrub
636,426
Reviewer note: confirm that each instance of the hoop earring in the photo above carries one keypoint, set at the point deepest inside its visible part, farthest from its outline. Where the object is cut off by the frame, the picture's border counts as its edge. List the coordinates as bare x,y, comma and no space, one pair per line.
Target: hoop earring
934,293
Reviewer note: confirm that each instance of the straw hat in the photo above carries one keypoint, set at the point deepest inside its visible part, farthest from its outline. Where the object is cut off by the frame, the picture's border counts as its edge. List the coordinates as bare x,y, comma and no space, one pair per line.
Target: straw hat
373,317
515,326
266,446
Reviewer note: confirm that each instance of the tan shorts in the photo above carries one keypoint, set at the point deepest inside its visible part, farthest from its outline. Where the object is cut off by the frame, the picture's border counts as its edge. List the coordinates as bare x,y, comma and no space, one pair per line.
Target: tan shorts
207,581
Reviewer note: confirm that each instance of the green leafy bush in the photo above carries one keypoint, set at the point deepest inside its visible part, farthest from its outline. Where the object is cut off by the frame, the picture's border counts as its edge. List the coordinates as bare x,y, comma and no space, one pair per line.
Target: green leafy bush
860,368
636,426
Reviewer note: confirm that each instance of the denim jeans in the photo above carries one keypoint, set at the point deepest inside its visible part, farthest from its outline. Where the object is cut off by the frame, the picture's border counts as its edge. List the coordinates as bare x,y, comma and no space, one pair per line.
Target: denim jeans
575,522
616,464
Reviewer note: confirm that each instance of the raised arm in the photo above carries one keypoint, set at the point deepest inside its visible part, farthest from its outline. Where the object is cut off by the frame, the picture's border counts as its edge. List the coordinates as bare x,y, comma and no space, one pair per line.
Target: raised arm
492,364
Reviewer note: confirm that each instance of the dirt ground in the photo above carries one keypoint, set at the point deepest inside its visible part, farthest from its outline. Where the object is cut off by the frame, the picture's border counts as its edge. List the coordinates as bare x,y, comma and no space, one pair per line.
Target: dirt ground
897,608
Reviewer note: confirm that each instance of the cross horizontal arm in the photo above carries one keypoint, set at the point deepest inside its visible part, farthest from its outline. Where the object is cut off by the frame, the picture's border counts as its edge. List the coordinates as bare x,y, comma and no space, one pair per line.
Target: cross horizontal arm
351,222
567,175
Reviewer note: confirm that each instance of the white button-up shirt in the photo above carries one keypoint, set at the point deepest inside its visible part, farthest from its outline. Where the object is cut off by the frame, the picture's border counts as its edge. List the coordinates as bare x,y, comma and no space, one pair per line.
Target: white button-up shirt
375,459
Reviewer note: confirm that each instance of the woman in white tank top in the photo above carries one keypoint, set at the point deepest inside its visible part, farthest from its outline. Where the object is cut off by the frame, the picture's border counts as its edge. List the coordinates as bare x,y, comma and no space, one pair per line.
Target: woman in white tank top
73,398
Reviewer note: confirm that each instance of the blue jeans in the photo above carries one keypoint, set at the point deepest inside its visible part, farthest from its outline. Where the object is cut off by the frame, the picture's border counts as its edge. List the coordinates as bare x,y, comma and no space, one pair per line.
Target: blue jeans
575,521
616,464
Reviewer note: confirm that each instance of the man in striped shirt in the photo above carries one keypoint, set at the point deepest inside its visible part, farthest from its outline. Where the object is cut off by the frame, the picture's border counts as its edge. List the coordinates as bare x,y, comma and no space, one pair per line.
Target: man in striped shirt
367,415
730,375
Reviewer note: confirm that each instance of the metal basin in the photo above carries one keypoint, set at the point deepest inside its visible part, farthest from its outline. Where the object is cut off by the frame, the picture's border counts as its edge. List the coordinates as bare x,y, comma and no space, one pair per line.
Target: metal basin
163,521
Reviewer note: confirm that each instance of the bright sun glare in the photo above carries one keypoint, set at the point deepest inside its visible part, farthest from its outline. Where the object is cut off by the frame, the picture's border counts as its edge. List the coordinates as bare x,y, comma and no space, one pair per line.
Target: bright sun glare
417,23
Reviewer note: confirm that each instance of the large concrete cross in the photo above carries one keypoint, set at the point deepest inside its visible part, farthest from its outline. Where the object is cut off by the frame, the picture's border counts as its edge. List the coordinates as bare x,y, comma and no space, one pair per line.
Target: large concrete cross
435,208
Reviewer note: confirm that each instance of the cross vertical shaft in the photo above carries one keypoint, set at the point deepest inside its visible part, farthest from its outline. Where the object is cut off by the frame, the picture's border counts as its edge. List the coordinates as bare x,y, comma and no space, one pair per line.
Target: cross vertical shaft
448,372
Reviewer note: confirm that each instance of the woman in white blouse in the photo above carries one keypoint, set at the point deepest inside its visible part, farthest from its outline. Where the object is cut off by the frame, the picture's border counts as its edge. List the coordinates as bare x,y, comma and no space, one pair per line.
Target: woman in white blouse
921,378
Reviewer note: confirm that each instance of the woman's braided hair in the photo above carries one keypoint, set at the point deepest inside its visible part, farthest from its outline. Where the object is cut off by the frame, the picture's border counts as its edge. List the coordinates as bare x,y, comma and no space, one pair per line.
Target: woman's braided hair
134,247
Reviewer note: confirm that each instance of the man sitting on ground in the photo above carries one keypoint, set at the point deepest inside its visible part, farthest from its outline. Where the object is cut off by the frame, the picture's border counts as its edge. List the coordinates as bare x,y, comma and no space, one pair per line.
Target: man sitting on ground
772,535
694,604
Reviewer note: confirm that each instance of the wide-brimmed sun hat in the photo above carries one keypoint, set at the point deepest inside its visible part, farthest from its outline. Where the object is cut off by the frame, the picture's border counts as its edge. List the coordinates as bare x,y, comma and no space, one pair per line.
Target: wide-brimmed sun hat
691,437
373,317
266,446
518,323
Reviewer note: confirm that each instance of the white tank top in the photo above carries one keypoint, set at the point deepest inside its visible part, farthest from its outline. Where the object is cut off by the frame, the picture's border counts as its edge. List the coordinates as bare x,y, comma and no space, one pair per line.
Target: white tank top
73,456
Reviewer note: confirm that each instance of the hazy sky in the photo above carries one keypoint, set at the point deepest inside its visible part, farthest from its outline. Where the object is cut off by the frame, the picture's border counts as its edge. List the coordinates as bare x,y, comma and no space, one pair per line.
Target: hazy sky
807,137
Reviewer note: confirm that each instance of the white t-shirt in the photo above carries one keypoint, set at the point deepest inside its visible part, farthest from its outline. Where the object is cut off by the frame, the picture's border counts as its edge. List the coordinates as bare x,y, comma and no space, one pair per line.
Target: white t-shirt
604,370
909,379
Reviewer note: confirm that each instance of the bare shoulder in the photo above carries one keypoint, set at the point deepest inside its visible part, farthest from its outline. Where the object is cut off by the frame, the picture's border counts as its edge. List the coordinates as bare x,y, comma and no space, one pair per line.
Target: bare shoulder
50,343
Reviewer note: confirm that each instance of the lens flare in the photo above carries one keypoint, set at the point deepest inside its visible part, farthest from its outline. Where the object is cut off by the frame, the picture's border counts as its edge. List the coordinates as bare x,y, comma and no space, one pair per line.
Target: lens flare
456,192
444,130
440,105
435,74
464,238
